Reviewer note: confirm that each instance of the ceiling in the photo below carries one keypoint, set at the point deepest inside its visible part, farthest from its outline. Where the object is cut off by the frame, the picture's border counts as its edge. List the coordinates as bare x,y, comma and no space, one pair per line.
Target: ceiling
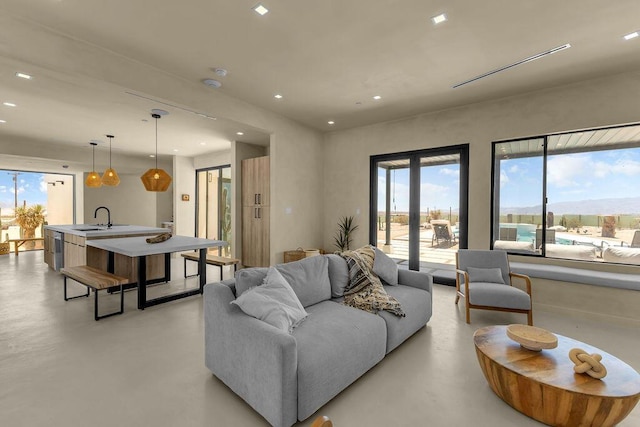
328,59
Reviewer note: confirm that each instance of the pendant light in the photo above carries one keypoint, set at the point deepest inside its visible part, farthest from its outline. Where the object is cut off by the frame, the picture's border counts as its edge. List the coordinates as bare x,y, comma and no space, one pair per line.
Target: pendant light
93,179
110,176
156,179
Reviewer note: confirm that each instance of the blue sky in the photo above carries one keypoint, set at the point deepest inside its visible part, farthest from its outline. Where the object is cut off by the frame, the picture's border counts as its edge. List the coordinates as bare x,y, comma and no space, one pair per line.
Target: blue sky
438,188
571,177
31,188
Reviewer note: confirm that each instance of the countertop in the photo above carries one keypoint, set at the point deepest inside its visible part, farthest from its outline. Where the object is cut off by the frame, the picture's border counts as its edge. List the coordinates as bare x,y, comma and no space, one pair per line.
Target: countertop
138,246
93,230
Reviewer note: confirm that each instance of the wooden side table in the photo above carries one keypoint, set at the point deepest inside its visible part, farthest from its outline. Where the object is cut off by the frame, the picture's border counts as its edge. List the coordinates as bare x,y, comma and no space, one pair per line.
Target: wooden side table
544,386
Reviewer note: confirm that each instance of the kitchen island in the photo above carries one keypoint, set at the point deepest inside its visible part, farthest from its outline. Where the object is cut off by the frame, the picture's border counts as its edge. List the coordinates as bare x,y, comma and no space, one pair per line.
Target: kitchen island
73,249
139,250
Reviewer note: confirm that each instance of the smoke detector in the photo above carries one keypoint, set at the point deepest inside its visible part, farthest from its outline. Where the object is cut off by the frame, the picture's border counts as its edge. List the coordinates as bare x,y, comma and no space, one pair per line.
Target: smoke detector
220,72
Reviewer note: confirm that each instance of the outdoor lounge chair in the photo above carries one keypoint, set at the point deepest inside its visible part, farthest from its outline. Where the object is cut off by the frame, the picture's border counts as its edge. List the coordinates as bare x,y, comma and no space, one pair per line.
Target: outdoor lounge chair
551,237
509,234
442,232
483,279
635,243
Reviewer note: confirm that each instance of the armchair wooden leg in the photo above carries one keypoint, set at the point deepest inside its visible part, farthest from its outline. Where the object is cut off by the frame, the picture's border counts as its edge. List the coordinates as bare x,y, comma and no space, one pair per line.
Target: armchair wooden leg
468,311
530,317
457,298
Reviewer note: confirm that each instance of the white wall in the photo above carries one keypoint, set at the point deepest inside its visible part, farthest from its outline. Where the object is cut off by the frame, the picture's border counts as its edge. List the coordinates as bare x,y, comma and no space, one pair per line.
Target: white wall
184,182
601,102
59,199
129,203
215,158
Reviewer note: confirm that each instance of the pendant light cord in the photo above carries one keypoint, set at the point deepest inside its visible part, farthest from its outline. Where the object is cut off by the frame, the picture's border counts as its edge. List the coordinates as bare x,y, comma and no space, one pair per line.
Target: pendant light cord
93,168
156,140
110,137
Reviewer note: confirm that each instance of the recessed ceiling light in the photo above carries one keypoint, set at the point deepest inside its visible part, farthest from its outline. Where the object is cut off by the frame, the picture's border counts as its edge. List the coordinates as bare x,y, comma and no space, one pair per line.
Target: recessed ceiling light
377,97
3,121
439,18
9,104
152,155
331,122
175,150
212,83
240,133
277,96
260,9
631,35
203,143
220,72
23,75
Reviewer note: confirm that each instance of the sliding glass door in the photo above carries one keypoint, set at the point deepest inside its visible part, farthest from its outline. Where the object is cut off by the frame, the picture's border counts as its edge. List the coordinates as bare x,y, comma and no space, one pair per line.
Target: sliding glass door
213,206
419,204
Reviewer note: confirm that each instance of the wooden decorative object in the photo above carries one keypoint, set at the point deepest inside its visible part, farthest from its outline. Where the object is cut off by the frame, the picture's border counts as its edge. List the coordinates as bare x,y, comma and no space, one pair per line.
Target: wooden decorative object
587,363
543,385
532,338
159,238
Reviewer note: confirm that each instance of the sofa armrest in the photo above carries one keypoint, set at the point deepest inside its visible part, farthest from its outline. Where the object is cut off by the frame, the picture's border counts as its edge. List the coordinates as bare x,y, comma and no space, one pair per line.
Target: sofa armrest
256,360
416,279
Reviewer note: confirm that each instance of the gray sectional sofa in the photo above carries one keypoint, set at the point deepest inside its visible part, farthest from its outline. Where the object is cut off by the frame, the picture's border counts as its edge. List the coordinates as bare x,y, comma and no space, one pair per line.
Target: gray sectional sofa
288,376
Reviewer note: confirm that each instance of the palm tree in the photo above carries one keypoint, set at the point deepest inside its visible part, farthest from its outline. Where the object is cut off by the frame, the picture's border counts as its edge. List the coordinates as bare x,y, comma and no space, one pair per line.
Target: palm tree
29,218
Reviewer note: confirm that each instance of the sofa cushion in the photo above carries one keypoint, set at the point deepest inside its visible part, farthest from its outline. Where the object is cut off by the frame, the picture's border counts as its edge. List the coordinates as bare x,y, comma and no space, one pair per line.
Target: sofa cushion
385,268
491,275
309,279
338,275
336,345
248,278
416,304
496,295
274,302
621,255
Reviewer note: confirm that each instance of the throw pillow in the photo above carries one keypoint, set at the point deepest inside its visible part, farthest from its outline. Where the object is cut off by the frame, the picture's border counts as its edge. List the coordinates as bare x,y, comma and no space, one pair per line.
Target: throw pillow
385,268
487,275
309,279
274,302
248,278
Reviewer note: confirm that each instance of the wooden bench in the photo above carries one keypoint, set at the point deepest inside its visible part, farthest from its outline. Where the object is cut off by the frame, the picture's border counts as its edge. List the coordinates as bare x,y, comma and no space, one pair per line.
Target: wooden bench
211,260
19,242
96,280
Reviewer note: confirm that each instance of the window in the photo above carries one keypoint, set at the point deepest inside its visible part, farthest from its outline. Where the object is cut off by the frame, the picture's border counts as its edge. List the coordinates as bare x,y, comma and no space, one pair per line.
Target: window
419,205
572,195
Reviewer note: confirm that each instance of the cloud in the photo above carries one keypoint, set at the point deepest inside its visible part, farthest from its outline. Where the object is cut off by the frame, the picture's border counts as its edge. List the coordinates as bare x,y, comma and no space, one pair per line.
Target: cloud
43,186
628,167
514,169
3,188
20,190
450,172
504,178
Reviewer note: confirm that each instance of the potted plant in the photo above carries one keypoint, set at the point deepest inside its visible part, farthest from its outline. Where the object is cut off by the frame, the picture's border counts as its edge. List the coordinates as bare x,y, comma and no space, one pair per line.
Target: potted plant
345,229
29,218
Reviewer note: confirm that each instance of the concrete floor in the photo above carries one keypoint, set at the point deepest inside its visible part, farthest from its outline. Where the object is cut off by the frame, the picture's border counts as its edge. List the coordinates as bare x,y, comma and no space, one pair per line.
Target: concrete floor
58,367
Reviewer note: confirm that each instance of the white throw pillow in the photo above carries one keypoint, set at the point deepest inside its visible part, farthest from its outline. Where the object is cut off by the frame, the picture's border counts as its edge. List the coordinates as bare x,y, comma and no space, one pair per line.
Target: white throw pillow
486,275
273,302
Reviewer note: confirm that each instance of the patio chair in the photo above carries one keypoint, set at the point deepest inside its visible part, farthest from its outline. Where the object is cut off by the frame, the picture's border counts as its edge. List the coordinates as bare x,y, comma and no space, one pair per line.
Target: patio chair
442,232
551,236
635,243
509,234
484,280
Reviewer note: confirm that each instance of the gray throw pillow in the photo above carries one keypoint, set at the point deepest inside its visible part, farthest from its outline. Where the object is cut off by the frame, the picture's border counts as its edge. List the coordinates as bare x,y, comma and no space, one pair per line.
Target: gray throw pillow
248,278
309,279
338,275
385,268
487,275
274,302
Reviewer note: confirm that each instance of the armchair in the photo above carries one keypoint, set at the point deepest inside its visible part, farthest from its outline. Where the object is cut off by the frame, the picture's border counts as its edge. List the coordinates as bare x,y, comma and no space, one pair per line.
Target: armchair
484,280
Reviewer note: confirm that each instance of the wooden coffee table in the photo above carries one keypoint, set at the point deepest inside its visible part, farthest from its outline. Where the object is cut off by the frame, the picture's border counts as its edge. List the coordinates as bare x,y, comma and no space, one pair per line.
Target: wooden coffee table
544,386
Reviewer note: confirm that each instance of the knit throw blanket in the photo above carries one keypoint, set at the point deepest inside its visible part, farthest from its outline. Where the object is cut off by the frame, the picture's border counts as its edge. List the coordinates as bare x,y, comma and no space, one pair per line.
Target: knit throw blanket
365,290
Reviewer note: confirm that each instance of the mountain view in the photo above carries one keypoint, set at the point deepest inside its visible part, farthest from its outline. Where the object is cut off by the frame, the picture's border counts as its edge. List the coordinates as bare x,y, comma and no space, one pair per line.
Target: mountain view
625,205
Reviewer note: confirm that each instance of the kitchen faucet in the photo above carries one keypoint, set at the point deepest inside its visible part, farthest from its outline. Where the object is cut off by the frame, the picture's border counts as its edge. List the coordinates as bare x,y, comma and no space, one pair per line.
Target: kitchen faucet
95,215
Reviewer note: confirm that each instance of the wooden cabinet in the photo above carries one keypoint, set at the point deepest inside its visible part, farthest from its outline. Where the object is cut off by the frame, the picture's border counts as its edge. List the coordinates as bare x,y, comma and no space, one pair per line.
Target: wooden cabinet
255,212
75,251
49,248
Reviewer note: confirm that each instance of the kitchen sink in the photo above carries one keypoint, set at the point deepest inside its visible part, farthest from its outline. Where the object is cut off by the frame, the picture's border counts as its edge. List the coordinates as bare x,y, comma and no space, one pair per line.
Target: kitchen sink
88,229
